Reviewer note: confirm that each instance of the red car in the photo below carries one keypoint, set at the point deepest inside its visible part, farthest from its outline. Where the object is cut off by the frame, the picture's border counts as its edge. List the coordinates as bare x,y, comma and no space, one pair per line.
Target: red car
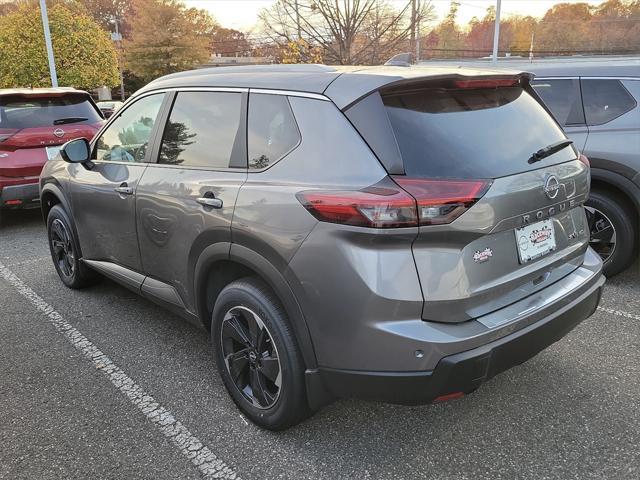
33,125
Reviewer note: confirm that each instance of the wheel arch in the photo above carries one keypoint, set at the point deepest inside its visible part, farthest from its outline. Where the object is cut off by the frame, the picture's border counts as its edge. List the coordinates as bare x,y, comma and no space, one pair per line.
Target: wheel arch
222,263
51,194
614,182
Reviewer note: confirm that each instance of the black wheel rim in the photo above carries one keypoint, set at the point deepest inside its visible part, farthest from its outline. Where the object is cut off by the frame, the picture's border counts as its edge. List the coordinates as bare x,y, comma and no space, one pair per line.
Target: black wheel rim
62,248
251,357
602,233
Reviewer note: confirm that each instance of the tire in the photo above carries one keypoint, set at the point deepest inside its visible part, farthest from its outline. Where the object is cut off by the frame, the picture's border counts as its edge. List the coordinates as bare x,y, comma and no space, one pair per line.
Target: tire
64,242
609,207
255,388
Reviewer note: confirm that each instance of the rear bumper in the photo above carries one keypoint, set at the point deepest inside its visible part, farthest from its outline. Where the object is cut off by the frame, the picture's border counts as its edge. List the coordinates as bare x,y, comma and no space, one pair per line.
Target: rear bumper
467,370
25,195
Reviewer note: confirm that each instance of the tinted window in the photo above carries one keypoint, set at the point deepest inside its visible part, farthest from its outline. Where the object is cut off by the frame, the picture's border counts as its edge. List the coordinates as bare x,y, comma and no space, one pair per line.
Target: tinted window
202,129
272,130
471,133
605,100
563,99
26,112
127,138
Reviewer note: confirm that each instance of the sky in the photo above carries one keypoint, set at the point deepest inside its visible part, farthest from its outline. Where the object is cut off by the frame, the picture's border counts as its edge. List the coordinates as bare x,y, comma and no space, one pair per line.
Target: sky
243,14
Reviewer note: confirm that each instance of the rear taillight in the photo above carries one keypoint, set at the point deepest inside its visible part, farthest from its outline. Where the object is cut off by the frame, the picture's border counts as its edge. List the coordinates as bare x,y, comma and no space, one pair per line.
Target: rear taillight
383,205
585,160
441,201
387,205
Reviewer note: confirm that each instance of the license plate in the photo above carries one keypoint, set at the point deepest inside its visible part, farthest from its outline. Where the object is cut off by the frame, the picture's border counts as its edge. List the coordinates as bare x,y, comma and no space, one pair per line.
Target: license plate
52,152
535,240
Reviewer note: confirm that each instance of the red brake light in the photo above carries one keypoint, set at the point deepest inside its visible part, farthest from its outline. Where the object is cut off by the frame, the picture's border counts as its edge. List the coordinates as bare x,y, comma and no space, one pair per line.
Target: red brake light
585,160
487,83
442,201
384,205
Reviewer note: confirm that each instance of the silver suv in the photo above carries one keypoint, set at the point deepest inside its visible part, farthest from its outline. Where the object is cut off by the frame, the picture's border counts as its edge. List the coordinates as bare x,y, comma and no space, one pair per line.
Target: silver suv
388,233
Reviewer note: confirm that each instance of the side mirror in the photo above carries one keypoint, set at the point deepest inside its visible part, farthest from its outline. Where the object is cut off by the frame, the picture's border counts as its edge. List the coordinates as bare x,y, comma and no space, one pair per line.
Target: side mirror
76,151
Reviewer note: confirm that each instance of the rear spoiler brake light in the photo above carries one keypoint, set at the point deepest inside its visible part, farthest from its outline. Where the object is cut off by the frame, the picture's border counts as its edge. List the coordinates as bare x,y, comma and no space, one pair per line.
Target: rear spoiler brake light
487,83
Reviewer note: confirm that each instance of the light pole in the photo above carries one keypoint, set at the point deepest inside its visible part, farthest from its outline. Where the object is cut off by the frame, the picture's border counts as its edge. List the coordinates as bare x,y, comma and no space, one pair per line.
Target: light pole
117,37
47,41
496,33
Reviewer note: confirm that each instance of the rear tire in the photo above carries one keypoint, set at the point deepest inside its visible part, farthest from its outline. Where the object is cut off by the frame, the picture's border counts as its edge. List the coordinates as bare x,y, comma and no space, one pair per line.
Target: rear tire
252,338
605,207
65,251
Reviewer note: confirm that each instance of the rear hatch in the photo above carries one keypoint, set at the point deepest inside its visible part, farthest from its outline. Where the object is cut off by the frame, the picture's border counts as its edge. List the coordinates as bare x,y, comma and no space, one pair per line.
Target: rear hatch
498,221
33,126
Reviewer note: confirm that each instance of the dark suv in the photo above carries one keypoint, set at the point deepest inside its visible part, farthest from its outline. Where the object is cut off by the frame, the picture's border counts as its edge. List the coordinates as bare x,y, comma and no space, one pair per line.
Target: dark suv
389,233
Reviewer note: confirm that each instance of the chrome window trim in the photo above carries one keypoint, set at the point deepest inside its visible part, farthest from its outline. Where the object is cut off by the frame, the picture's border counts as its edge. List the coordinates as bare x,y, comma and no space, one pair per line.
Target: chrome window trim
290,93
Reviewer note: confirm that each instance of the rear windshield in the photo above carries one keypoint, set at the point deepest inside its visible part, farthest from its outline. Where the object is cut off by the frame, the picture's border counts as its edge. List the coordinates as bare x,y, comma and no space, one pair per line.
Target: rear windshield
26,112
471,133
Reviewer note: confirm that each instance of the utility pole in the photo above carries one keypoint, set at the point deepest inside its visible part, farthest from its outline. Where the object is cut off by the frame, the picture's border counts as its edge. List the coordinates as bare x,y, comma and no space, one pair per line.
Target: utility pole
297,7
47,41
117,37
412,38
531,47
496,33
418,18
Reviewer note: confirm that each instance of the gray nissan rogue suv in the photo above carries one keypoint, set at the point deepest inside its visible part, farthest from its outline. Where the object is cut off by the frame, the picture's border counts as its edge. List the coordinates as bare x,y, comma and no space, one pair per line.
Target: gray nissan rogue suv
387,233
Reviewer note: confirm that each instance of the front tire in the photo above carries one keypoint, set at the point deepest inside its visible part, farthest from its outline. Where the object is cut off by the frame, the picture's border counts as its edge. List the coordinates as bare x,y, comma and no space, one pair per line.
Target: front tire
257,355
612,226
65,250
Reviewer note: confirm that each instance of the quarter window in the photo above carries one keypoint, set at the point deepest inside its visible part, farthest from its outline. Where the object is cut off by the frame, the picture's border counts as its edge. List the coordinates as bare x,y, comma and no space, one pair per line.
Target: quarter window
272,131
127,137
605,100
563,99
202,129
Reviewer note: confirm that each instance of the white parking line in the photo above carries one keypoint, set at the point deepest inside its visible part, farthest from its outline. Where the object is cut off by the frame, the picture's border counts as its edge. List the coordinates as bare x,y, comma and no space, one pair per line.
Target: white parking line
204,459
633,316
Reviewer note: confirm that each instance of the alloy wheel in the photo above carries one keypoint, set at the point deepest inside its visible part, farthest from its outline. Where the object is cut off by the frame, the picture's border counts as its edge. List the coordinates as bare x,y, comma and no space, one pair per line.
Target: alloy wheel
251,357
602,233
62,248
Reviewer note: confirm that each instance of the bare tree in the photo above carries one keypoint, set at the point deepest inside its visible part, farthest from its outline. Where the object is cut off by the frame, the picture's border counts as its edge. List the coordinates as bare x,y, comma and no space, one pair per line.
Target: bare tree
348,31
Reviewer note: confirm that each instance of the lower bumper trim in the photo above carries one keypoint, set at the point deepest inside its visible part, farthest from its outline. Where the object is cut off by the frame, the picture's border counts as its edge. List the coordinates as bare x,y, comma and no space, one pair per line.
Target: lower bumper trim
465,371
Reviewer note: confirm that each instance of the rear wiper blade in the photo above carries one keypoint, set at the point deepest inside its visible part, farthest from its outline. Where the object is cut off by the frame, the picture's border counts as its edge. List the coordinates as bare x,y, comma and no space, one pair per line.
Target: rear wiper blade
62,121
549,150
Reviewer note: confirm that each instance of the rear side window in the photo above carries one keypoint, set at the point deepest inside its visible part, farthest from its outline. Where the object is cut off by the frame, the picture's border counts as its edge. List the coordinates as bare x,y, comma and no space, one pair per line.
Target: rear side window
27,112
202,129
605,100
272,131
563,99
471,133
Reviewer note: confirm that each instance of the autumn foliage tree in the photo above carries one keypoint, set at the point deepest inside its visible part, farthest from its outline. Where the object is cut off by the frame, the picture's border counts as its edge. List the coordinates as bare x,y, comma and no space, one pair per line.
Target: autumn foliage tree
167,37
611,27
85,57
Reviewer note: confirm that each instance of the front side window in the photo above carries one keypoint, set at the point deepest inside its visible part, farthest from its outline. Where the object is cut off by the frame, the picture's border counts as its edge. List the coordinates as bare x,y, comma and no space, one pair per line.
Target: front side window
272,131
605,100
562,96
127,138
202,129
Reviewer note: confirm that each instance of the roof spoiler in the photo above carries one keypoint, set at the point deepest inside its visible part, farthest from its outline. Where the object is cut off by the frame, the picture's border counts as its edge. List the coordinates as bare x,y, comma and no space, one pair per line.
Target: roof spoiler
400,60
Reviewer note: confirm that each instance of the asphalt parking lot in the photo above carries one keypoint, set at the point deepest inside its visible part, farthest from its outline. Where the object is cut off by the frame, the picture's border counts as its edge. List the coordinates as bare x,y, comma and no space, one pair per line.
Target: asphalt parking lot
571,412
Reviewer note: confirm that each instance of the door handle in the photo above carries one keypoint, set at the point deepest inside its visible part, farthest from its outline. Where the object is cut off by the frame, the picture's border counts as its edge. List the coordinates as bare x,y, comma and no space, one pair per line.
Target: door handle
124,189
210,202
